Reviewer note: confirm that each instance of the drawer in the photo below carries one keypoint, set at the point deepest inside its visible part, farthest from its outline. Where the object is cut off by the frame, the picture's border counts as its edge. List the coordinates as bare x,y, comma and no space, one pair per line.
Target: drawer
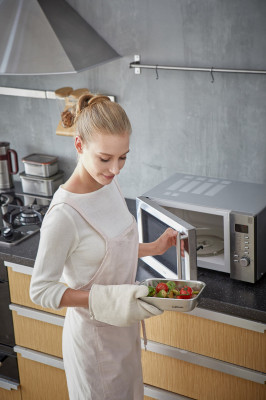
19,284
38,330
10,394
195,381
218,340
42,377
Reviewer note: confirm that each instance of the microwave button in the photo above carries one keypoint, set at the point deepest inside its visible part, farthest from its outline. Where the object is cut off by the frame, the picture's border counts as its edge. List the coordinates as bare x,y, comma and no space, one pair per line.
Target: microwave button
246,242
246,247
246,237
244,261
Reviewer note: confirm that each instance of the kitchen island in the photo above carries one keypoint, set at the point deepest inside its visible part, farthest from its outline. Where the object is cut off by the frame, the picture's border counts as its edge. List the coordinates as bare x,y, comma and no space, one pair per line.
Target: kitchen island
221,344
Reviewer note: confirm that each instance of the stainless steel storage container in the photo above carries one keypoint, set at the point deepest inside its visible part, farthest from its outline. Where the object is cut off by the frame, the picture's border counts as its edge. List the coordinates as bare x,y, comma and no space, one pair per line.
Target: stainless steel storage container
167,304
41,186
40,165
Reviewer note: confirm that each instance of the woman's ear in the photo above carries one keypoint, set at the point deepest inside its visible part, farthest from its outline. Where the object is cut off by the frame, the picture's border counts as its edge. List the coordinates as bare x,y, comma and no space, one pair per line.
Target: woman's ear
78,144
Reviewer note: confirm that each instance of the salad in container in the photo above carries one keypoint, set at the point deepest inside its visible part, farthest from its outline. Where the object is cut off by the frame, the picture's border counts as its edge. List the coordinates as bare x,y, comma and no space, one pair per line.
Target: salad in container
173,295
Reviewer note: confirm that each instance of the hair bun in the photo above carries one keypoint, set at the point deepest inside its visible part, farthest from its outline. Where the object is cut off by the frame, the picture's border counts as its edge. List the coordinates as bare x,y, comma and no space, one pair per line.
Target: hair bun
98,98
88,100
83,102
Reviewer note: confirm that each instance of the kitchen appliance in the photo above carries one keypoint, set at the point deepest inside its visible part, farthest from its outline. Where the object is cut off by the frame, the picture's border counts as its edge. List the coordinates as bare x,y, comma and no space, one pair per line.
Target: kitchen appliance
19,219
48,37
6,167
221,225
9,375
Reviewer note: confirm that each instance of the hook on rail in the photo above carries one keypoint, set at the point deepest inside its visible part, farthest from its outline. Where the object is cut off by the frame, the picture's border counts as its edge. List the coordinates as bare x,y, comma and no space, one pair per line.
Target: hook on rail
156,71
211,71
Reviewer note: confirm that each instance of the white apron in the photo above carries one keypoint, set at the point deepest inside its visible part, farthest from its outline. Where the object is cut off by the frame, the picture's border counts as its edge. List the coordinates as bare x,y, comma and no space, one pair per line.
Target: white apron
103,362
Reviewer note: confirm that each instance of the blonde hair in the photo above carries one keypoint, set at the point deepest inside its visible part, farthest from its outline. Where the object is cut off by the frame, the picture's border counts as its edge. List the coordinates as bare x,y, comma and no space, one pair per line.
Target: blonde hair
98,114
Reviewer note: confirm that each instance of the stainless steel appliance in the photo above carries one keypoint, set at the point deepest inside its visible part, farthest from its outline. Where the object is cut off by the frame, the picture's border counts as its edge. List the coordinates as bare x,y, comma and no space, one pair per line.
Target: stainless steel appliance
19,220
6,167
35,39
9,376
221,224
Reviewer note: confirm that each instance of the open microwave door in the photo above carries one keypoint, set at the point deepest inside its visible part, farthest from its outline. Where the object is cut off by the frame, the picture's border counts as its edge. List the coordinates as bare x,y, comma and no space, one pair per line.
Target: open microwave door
178,262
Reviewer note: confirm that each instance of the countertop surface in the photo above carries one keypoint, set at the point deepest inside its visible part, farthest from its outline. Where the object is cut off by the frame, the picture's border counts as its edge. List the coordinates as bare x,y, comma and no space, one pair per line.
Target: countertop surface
222,294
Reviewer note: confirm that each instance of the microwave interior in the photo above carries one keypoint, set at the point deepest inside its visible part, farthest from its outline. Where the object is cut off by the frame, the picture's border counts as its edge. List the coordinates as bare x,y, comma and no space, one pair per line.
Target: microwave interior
212,237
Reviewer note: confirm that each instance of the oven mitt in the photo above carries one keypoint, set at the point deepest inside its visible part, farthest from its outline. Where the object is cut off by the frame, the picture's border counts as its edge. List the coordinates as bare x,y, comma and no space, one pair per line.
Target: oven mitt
120,305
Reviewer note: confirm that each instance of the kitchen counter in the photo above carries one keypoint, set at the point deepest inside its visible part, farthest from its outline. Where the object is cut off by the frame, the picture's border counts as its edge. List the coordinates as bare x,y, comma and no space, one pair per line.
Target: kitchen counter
222,294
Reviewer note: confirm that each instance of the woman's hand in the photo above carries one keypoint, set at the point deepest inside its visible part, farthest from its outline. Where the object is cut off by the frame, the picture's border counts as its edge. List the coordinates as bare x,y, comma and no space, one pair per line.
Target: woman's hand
165,241
160,245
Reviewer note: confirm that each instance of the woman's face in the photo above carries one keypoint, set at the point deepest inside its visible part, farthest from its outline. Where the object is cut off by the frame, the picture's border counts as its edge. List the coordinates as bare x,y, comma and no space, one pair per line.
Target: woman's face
103,157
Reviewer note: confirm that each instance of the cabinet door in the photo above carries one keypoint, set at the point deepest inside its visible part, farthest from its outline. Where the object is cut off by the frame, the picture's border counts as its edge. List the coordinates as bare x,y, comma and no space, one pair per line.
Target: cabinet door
197,382
213,339
10,394
19,285
41,381
38,330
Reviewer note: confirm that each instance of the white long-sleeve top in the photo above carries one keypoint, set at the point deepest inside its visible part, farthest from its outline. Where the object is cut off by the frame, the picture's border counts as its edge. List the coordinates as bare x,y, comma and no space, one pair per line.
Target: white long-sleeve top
70,247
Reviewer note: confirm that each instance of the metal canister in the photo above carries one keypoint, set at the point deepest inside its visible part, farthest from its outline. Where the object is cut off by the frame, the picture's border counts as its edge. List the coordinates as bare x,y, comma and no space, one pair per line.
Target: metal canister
6,166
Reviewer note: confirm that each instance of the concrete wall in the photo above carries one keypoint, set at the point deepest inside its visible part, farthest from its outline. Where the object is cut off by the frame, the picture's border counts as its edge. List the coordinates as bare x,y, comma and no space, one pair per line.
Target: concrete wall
182,121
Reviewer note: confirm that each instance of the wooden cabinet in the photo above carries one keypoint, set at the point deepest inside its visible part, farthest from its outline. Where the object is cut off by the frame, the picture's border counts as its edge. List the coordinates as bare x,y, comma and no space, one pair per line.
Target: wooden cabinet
38,330
199,355
205,359
38,337
19,277
10,394
39,378
217,340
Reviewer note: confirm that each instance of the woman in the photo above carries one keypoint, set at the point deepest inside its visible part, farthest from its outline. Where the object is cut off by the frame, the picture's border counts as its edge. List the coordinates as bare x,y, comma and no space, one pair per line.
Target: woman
89,235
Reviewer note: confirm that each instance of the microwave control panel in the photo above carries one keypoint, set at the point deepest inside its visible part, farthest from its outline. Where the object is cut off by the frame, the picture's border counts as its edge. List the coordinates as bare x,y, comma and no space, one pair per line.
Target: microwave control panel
242,247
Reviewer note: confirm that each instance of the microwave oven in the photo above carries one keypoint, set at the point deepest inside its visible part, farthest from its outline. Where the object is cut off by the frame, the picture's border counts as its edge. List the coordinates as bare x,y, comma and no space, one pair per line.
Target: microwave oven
221,226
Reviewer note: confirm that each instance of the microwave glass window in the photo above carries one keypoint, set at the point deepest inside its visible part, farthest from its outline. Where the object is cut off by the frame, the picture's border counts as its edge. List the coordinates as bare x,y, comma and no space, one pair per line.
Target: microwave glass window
241,228
152,228
210,236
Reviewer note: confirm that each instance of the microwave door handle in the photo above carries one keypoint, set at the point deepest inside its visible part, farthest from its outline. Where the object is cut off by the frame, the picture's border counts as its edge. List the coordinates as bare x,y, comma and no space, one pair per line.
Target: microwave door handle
182,272
178,255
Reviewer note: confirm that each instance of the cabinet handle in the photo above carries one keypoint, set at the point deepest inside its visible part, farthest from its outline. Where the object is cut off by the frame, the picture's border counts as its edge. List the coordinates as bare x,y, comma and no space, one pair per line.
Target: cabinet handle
22,269
37,315
42,358
207,362
8,385
229,319
161,394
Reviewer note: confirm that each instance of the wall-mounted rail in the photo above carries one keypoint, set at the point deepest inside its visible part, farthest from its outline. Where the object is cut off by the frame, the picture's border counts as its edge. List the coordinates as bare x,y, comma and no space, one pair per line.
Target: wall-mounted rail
137,66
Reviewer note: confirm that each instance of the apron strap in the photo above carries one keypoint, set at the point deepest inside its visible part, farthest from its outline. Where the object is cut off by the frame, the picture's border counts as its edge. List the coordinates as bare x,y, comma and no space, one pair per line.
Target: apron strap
73,205
144,334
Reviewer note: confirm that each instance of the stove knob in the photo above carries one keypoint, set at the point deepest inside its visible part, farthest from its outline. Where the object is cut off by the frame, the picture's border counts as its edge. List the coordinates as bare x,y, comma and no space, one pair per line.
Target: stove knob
244,261
7,232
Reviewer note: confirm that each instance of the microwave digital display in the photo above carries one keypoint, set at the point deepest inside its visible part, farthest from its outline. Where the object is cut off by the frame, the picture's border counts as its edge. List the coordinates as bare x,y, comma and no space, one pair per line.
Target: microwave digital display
241,228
